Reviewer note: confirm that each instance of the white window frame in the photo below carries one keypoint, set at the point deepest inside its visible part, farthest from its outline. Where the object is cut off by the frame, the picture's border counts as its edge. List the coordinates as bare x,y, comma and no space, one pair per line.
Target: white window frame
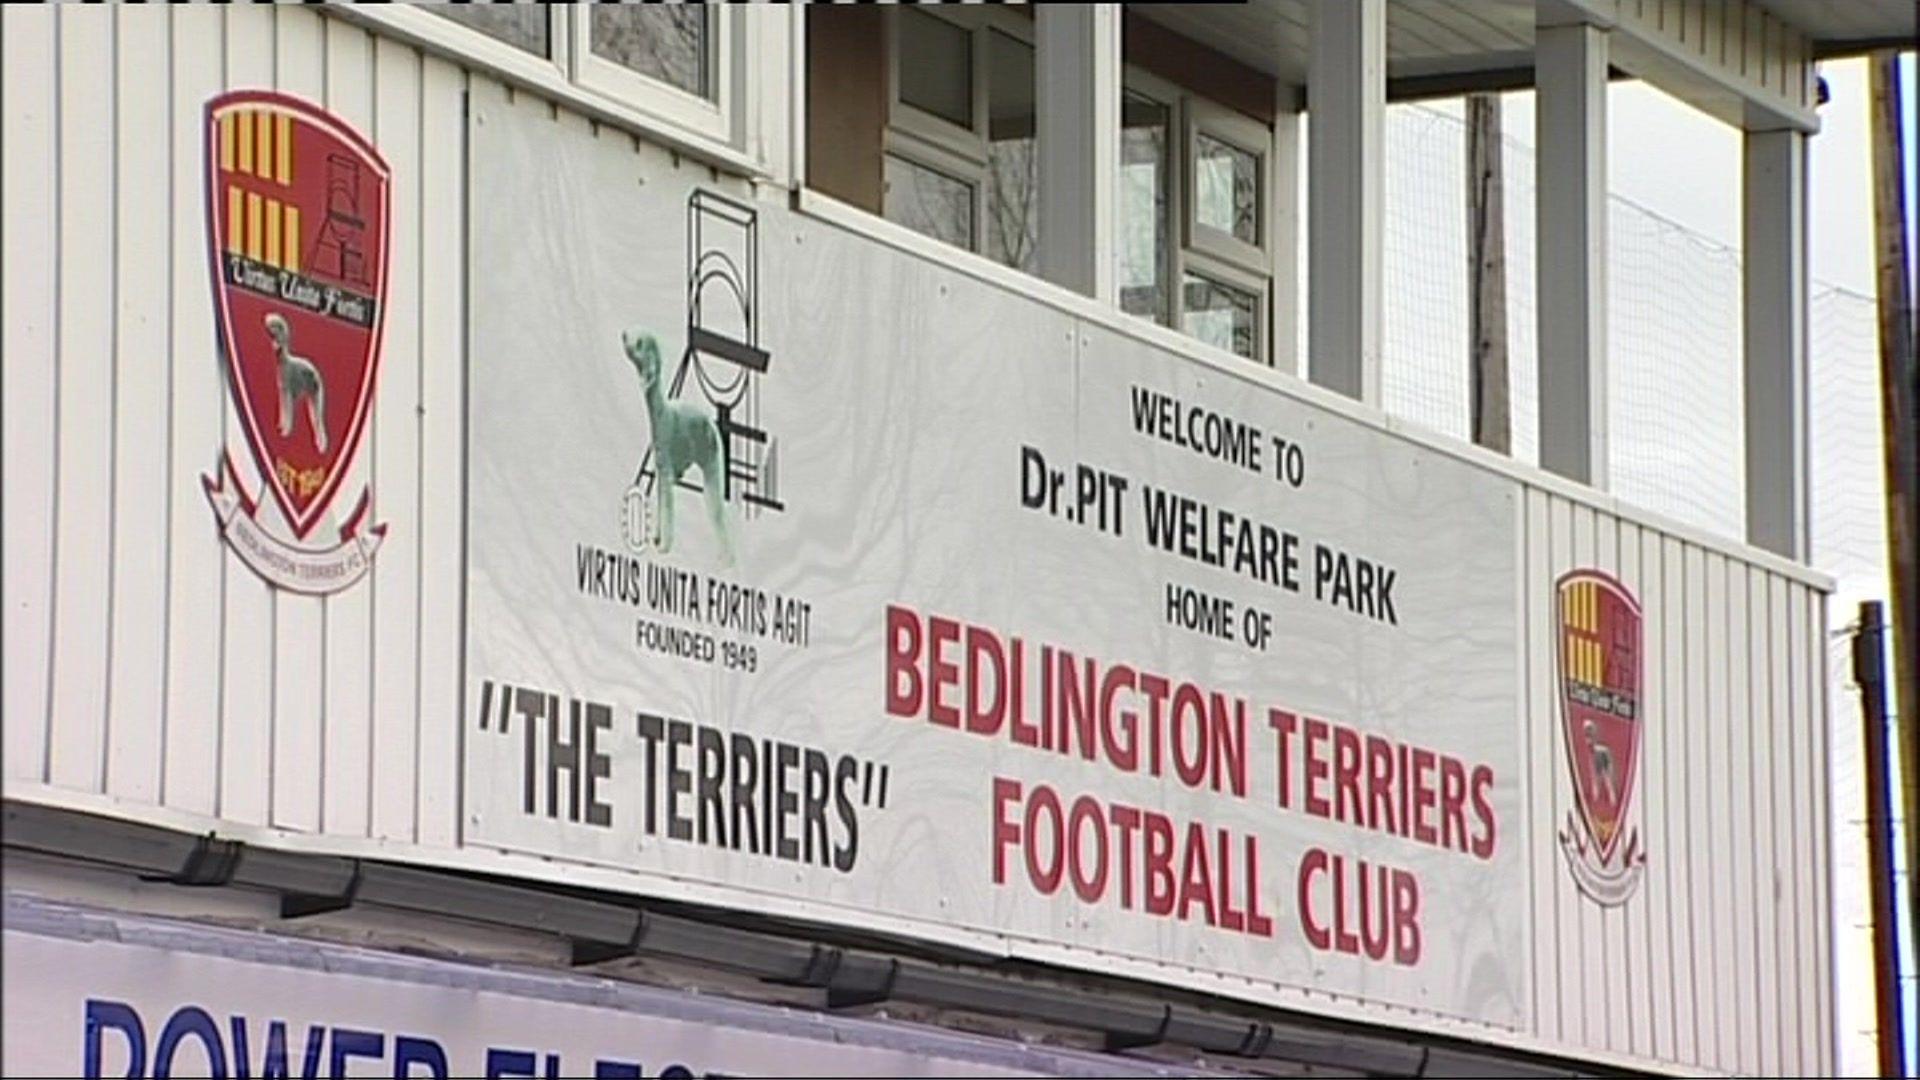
1164,93
417,22
717,118
1221,124
728,138
1208,251
1258,285
937,157
935,142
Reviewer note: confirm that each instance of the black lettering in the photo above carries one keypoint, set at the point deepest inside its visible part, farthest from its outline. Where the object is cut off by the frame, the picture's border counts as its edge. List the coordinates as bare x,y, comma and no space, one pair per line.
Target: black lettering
845,774
679,779
599,765
713,773
746,768
787,802
650,728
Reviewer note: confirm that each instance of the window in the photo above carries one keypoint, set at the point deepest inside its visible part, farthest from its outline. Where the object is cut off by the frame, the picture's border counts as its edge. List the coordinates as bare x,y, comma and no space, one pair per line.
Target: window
1013,164
1221,315
1146,145
668,42
936,67
673,62
1226,183
522,26
961,154
1215,187
929,201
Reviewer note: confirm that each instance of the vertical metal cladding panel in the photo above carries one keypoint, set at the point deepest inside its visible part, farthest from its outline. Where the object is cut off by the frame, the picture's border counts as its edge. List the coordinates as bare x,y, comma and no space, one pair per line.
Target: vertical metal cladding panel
306,65
1738,855
138,481
1543,766
1627,924
1704,964
180,678
1820,759
29,391
384,748
250,624
83,413
440,488
1671,831
196,565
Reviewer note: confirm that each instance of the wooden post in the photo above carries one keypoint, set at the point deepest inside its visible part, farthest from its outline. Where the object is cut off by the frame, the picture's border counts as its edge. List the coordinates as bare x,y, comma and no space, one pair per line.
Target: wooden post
1487,266
1899,398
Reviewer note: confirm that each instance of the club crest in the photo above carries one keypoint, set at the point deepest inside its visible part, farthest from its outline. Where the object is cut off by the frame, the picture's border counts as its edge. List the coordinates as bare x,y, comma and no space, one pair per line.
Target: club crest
1600,665
297,218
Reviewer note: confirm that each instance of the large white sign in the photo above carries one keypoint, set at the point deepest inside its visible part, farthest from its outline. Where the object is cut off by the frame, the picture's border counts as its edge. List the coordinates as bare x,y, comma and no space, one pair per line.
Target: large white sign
818,572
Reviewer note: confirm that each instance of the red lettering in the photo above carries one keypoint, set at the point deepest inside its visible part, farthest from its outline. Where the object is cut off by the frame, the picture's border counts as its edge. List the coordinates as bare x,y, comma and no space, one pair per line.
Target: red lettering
1257,921
1076,708
1315,862
1196,879
1004,831
1025,732
1283,725
1374,917
1344,939
1126,819
1405,787
903,653
1406,918
1089,886
1158,863
1453,803
1380,784
1346,775
1229,918
1230,744
941,673
983,652
1483,809
1045,878
1189,758
1155,688
1316,767
1423,830
1124,753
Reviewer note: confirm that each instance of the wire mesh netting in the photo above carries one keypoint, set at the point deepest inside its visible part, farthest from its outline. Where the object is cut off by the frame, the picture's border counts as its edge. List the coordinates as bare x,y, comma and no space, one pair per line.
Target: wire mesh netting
1674,383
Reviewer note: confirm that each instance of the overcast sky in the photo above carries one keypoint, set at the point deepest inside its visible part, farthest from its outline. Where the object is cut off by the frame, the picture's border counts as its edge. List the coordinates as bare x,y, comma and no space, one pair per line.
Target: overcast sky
1685,165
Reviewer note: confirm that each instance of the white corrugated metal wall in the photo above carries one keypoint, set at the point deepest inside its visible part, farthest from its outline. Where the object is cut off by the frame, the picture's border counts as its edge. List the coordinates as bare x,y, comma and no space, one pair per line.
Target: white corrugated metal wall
182,681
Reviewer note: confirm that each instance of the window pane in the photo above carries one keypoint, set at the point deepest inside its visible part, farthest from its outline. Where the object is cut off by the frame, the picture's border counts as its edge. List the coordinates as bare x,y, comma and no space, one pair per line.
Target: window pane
524,26
1144,128
662,41
1221,315
1013,173
1227,180
936,66
929,202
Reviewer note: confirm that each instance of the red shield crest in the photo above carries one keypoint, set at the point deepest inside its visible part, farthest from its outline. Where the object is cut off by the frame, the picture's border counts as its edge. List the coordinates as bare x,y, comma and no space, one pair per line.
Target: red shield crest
1600,702
297,206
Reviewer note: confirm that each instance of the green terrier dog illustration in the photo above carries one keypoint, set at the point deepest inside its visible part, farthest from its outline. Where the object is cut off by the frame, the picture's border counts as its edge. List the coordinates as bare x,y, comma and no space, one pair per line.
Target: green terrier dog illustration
682,437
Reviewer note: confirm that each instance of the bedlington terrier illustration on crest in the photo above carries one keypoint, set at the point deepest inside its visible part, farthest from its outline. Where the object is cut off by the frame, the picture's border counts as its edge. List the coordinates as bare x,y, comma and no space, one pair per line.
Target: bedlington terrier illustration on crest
299,381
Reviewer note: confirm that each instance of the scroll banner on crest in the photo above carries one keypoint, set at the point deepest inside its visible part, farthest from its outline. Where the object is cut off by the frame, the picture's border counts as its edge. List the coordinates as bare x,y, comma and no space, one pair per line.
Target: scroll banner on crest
814,577
293,567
